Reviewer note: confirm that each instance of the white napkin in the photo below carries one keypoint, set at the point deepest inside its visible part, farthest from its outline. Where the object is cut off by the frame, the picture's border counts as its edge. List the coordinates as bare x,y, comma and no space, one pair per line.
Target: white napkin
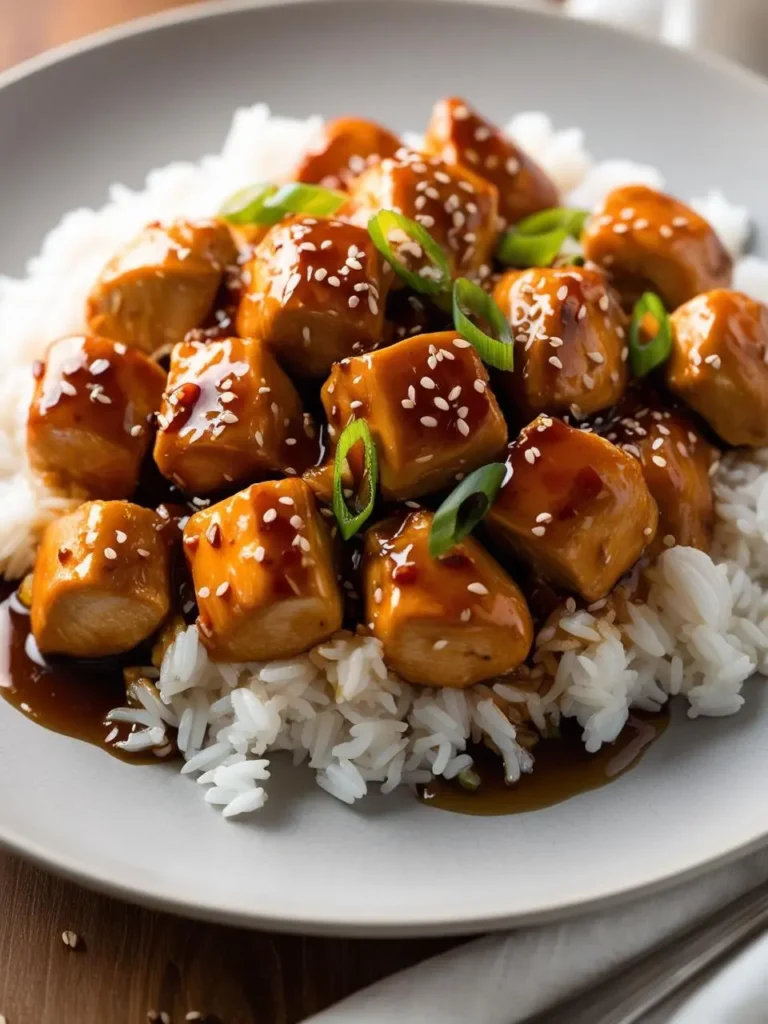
503,979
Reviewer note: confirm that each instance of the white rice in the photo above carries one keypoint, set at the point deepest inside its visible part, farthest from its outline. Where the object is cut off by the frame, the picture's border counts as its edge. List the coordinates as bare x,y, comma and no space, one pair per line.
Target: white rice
702,632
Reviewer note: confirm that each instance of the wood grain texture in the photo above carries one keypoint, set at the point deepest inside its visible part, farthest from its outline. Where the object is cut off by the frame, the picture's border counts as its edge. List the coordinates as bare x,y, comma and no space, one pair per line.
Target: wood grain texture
130,962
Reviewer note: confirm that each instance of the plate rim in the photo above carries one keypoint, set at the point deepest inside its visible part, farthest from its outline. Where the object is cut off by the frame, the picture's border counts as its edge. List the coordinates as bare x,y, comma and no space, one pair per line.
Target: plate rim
359,924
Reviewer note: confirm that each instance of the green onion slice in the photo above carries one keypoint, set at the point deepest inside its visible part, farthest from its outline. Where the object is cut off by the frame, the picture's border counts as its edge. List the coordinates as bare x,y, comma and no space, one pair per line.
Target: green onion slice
495,351
357,430
535,241
463,509
387,227
244,206
268,204
650,335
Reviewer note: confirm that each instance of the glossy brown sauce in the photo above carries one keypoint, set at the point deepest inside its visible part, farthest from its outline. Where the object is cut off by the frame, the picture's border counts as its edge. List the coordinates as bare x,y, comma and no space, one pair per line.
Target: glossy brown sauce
68,697
563,769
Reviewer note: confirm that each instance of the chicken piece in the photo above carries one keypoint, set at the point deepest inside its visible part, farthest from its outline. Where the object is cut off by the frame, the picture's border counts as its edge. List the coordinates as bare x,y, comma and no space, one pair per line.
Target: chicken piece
457,207
649,241
571,350
230,414
675,460
161,285
429,408
88,423
719,364
448,621
573,506
459,135
102,580
263,571
347,146
315,293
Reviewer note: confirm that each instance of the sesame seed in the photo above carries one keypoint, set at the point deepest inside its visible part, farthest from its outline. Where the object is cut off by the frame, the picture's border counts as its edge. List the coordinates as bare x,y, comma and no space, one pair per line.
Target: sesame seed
229,417
142,553
70,939
466,615
356,404
270,515
424,458
320,274
334,282
121,537
286,501
648,531
296,522
461,343
67,388
544,517
428,383
554,360
354,301
657,443
659,461
227,397
679,222
110,553
428,421
137,430
538,531
222,589
596,357
692,437
479,386
665,231
669,541
478,588
98,366
562,292
441,404
259,438
438,645
395,597
204,592
714,360
378,595
604,303
640,223
627,213
120,348
529,456
373,305
259,553
512,166
326,244
620,229
407,403
463,427
582,313
454,393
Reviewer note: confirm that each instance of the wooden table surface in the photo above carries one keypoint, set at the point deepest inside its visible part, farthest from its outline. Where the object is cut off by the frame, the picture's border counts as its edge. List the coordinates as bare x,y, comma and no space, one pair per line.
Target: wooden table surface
131,965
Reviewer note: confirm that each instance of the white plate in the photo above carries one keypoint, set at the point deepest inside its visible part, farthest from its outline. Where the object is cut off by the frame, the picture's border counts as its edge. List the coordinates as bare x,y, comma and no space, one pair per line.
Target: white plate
142,98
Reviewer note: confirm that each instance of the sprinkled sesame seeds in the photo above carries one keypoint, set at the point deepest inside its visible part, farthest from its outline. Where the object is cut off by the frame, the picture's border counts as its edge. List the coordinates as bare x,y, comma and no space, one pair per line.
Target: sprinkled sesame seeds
512,166
529,456
70,939
713,360
229,417
67,388
121,537
477,588
604,303
259,553
620,229
222,589
204,592
679,222
428,421
438,645
665,231
555,361
658,460
428,383
407,403
120,348
463,427
648,531
544,517
441,404
562,292
538,531
353,301
270,515
110,553
285,500
395,597
466,615
378,595
142,553
296,522
320,274
98,366
461,343
657,443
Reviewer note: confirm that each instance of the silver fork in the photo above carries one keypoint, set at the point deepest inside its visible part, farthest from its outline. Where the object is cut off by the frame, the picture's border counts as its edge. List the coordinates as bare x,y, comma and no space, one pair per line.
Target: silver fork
646,982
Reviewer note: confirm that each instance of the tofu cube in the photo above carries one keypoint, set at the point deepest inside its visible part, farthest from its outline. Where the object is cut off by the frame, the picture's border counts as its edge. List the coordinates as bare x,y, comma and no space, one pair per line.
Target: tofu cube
429,408
102,580
162,284
574,507
230,415
649,241
88,425
459,135
455,205
570,342
315,292
263,572
449,621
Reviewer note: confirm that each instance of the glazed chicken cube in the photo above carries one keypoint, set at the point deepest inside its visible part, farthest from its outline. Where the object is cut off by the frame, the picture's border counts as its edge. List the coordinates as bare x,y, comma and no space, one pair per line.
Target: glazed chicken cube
448,621
88,423
456,206
719,364
230,414
161,285
315,293
675,459
570,332
459,135
429,408
102,580
573,506
648,241
263,572
347,145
